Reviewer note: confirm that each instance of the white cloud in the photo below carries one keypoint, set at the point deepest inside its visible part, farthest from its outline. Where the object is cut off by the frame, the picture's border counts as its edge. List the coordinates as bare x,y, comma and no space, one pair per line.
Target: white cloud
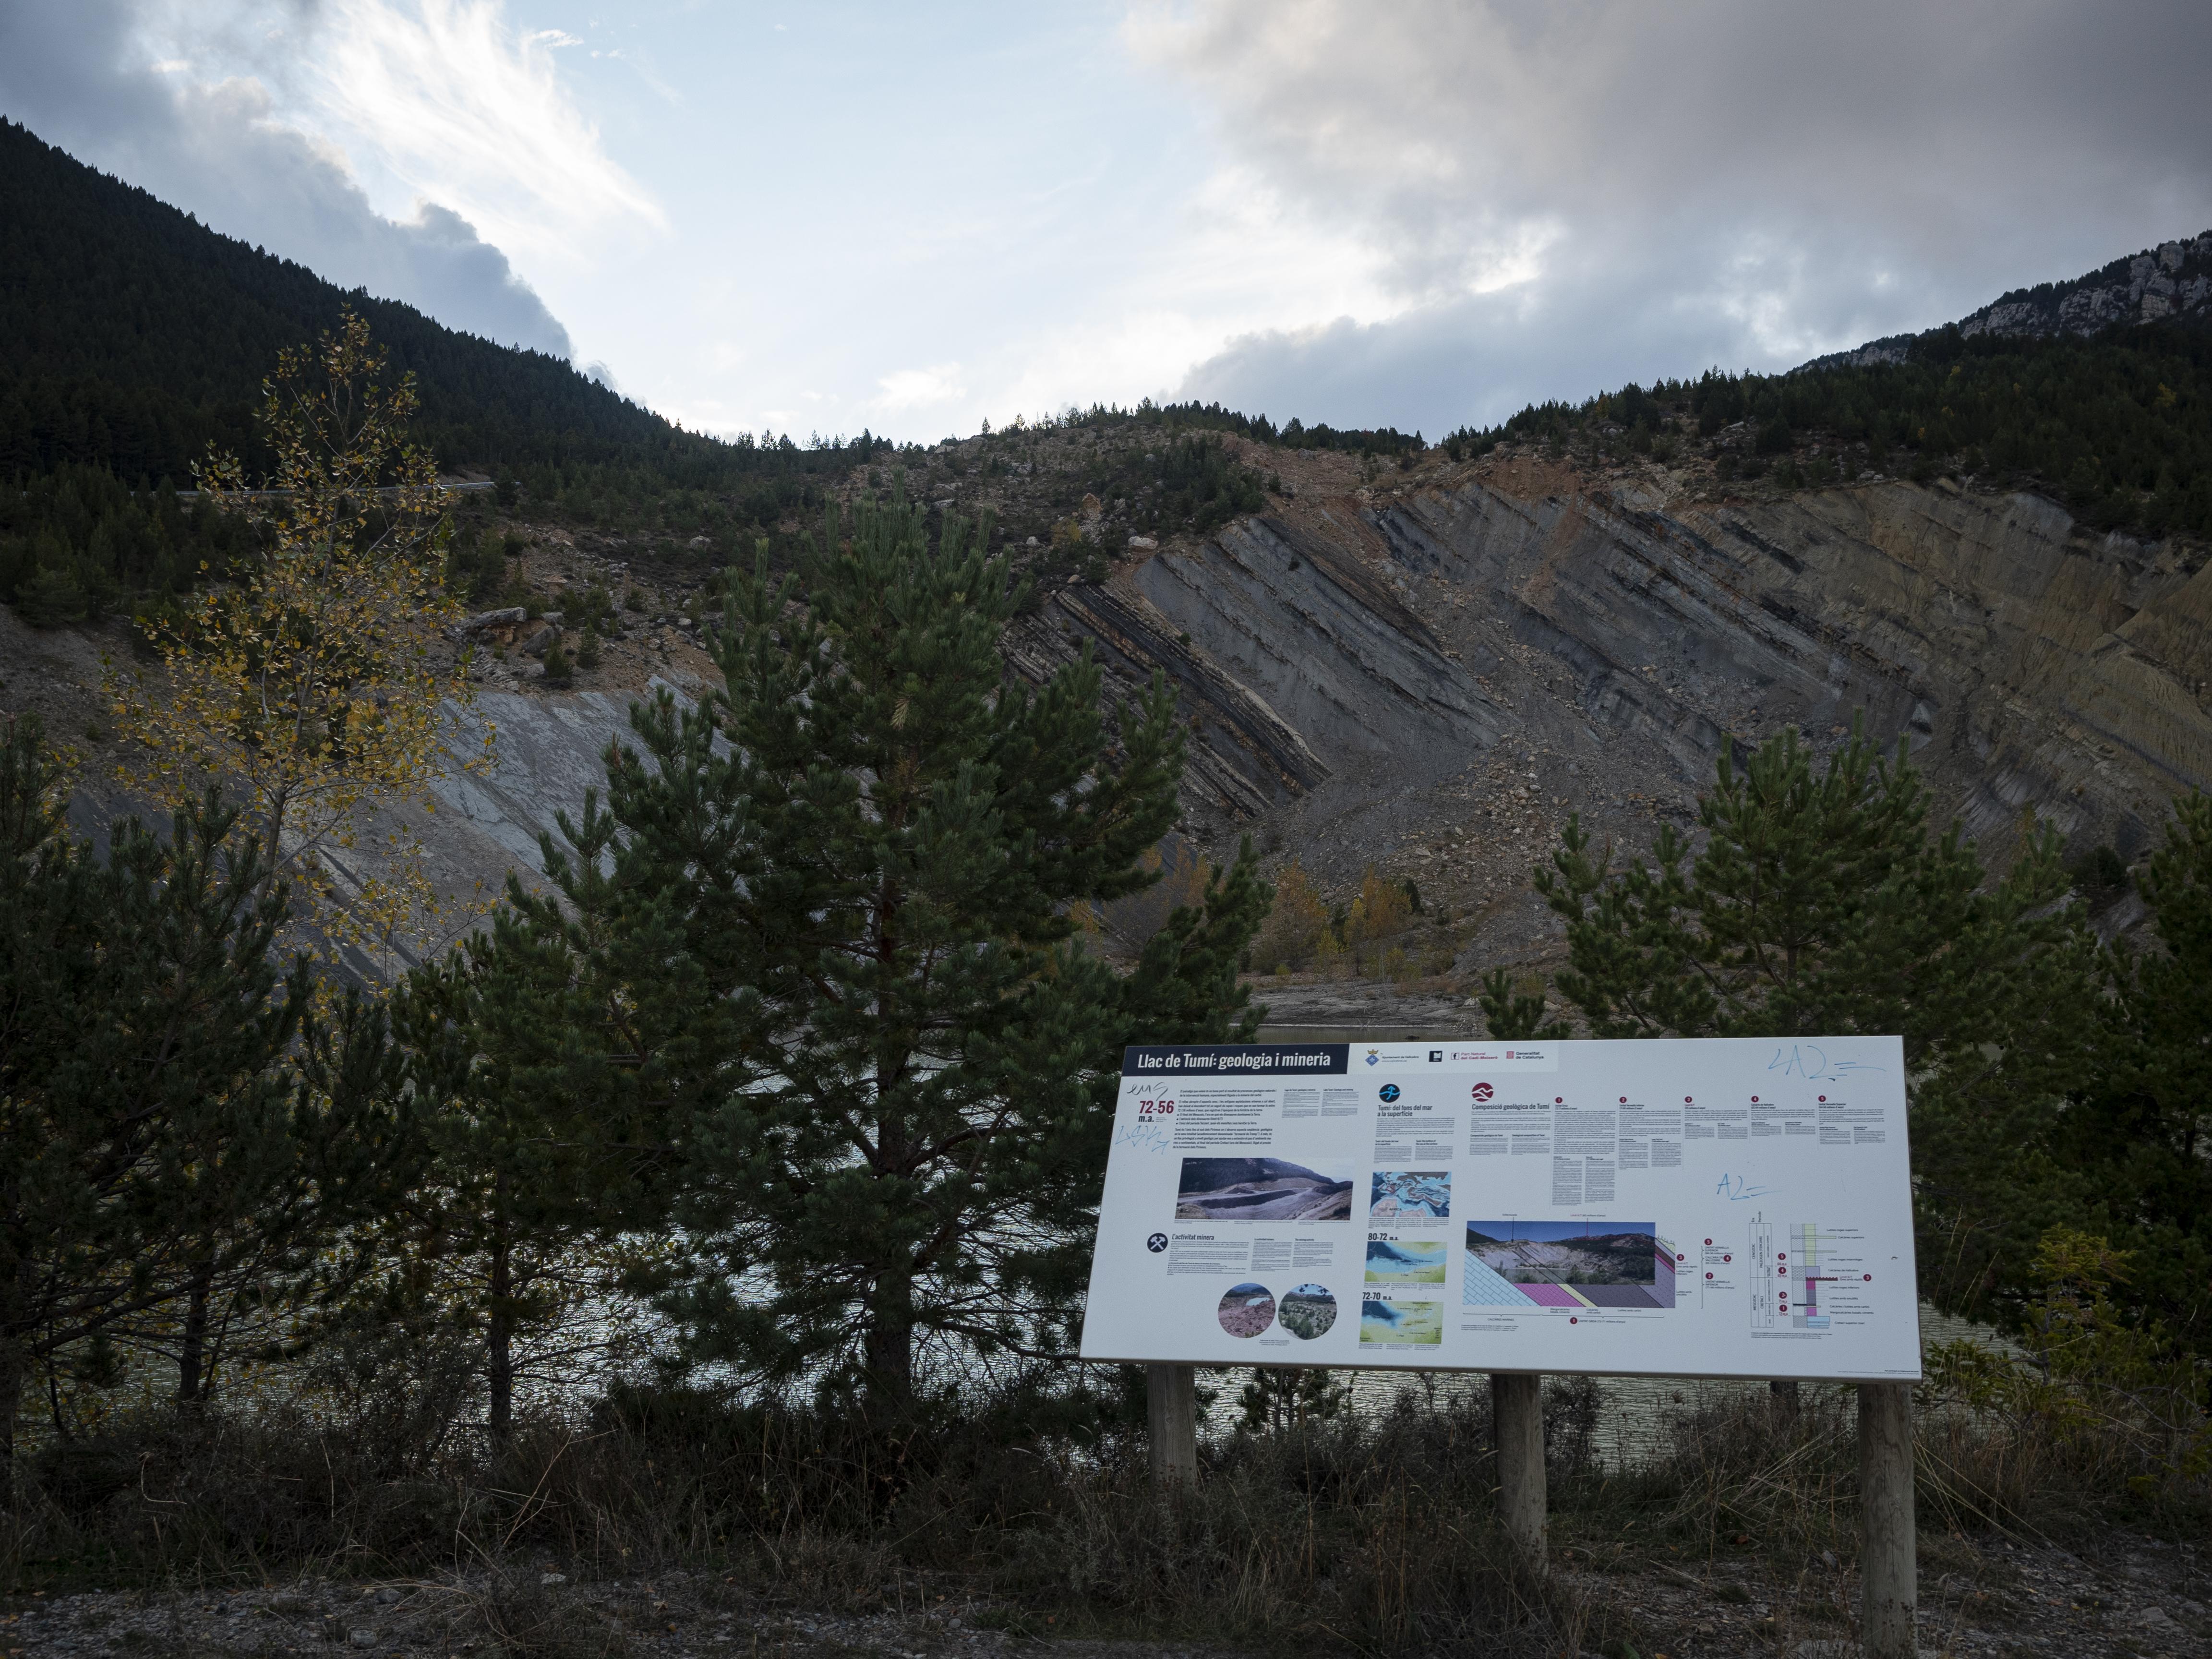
215,143
1751,183
1419,213
920,388
447,97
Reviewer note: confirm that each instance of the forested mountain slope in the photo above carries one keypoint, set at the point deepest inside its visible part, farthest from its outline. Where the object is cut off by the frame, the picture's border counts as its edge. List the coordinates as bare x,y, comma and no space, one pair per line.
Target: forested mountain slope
131,338
133,334
1418,658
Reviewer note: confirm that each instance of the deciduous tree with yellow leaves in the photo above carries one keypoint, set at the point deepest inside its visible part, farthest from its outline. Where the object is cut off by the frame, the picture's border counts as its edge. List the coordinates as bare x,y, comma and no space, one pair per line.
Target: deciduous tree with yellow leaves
307,686
1295,926
1380,915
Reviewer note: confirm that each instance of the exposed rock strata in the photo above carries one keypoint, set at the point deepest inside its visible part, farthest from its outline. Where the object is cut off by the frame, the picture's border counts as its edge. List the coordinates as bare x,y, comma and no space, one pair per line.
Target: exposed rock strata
1428,679
1522,638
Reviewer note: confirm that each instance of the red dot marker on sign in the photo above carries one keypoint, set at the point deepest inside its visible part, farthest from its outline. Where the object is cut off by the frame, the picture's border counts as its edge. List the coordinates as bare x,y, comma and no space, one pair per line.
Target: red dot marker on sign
1754,1100
1709,1275
1867,1277
1574,1319
1824,1097
1727,1258
1558,1100
1624,1100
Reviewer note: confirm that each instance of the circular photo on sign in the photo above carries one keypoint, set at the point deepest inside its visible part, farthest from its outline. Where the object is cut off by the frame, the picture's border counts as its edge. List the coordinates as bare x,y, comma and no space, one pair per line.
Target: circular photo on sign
1246,1310
1308,1311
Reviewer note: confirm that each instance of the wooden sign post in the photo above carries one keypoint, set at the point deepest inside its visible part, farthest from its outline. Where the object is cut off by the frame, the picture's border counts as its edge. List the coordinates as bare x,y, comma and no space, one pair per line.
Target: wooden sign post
1516,1406
1171,1402
1888,1569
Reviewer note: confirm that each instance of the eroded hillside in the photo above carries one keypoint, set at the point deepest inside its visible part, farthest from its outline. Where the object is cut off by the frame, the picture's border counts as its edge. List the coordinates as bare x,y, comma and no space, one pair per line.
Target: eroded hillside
1424,668
1427,670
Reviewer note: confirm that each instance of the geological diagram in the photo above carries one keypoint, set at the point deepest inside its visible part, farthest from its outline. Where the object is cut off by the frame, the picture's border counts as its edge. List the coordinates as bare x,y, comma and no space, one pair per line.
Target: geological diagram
1805,1276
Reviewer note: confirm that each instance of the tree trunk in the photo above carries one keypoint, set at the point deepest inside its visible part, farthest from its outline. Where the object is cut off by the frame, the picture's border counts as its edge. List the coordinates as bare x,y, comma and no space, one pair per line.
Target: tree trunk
499,1339
15,1361
891,1363
192,1360
15,1371
888,1348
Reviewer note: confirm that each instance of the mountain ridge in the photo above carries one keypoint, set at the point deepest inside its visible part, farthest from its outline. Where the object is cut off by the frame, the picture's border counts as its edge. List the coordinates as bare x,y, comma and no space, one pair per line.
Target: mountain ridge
2173,280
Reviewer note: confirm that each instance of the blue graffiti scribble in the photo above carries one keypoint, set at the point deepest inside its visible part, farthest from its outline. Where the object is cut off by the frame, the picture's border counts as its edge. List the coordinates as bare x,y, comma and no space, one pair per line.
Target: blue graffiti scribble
1733,1187
1809,1061
1142,1137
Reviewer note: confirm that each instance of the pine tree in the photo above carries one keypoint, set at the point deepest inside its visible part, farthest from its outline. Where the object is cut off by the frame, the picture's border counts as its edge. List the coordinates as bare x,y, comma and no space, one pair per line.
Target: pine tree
531,1171
1821,904
559,671
825,918
153,1141
2136,1139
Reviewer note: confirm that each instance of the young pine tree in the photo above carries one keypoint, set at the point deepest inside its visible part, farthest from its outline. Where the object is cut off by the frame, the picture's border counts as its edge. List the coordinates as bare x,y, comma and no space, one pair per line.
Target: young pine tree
2136,1140
158,1141
535,1163
1819,902
825,923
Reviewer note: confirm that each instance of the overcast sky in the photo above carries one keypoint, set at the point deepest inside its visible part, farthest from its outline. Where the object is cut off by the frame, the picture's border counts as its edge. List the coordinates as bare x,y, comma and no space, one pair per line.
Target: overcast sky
916,217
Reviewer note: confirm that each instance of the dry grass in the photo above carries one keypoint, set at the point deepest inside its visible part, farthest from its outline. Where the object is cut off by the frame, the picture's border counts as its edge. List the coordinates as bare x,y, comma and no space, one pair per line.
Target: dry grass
1362,1531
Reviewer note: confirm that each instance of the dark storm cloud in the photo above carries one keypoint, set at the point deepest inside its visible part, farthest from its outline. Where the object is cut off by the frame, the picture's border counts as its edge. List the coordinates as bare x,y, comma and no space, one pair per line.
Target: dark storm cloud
69,74
1650,189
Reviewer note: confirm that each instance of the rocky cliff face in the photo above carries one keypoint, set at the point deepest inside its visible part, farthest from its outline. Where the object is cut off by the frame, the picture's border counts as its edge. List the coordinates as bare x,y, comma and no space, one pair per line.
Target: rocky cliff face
1429,677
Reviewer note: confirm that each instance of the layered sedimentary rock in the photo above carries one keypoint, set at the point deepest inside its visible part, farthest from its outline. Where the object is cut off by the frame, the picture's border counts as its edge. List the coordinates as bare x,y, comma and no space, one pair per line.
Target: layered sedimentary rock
1429,680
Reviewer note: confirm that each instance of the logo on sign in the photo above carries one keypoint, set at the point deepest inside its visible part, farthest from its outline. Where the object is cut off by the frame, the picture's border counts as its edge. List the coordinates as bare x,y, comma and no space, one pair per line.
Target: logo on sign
1483,1091
1389,1091
1436,1056
1373,1059
1157,1242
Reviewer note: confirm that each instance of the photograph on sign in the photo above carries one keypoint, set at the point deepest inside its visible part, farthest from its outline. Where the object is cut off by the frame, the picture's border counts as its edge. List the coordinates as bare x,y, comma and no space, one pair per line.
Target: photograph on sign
1727,1207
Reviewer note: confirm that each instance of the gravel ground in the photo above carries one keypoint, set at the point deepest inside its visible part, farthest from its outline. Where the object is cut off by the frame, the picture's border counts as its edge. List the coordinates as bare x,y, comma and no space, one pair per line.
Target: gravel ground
1978,1597
2140,1597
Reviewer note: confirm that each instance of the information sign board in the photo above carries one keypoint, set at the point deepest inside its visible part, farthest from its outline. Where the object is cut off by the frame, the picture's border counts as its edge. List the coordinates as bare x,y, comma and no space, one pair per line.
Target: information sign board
1736,1207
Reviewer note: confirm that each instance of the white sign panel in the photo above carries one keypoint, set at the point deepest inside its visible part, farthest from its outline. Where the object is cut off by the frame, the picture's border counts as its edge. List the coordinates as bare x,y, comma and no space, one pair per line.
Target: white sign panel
1733,1207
